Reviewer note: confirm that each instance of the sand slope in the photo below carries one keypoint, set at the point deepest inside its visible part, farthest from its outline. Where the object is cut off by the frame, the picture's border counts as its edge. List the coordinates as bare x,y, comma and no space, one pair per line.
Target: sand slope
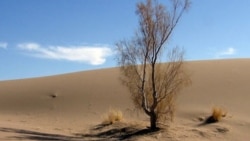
223,83
69,106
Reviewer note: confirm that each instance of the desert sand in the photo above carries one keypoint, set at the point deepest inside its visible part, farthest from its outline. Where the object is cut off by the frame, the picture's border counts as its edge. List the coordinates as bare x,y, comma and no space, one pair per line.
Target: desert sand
71,107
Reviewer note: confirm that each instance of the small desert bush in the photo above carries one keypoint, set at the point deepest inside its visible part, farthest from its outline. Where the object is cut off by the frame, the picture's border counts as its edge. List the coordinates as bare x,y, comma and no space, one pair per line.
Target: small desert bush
218,113
113,116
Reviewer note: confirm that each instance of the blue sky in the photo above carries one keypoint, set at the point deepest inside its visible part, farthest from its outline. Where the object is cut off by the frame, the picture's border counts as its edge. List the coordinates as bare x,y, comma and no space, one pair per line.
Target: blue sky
47,37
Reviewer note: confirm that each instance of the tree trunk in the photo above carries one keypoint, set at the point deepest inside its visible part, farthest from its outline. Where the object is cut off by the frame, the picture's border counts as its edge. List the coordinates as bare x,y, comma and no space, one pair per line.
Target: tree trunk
153,120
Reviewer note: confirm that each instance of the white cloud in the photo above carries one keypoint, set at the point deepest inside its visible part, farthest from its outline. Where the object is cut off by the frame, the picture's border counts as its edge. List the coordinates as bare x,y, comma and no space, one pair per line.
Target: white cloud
229,51
3,45
94,55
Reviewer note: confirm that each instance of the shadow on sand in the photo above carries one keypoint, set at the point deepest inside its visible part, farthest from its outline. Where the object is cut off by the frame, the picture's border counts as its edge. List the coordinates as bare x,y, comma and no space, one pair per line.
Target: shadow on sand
36,136
97,133
208,120
117,131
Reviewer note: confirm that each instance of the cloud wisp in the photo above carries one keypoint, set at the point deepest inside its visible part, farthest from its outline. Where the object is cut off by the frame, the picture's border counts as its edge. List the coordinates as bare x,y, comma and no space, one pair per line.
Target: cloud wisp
3,45
229,51
94,55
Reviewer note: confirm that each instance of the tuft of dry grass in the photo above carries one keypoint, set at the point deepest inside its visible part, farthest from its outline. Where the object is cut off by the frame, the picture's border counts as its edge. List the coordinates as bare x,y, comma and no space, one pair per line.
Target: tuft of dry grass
113,116
218,113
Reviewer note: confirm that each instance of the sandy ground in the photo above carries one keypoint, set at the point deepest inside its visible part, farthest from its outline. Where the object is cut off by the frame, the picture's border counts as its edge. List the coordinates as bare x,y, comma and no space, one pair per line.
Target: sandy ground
71,107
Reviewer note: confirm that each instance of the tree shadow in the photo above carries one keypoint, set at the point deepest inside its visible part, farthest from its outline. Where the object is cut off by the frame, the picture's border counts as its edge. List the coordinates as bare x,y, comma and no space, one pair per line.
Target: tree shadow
139,132
38,136
121,132
98,133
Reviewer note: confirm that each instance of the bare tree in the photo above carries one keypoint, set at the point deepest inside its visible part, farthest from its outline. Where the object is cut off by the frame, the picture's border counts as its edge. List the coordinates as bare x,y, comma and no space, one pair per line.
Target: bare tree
154,85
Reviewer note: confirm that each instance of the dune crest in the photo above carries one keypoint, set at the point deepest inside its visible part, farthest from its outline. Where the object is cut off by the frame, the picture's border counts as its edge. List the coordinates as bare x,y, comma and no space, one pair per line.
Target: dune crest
68,106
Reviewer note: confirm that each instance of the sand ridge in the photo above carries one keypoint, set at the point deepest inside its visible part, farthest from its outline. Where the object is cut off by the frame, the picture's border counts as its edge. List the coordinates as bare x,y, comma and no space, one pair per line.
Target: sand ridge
69,106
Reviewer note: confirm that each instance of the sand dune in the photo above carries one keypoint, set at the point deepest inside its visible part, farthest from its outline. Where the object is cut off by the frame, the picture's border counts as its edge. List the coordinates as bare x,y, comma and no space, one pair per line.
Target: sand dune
70,106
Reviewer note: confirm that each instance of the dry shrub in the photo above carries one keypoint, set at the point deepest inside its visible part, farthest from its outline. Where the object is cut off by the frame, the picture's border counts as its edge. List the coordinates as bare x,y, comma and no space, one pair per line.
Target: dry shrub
113,116
148,80
218,113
